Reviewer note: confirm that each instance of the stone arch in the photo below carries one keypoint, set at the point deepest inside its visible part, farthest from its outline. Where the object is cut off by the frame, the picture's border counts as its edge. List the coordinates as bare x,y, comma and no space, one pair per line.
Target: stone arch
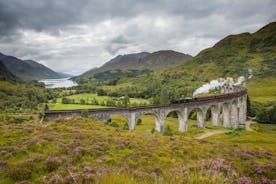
118,117
158,121
200,115
182,118
215,110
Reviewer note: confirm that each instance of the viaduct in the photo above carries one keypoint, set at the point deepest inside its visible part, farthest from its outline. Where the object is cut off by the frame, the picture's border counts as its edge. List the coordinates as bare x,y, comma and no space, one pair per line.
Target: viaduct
227,109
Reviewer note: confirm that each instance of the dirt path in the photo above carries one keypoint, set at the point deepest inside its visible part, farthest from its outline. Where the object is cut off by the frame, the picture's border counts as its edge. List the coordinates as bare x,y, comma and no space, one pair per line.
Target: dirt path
247,125
208,134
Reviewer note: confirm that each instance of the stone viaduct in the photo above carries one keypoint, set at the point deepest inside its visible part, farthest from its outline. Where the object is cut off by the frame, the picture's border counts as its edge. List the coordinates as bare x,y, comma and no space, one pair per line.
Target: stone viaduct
227,109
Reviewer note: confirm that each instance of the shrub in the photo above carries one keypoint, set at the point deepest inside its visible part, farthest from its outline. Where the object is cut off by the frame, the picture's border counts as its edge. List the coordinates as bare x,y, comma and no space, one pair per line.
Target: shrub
152,130
82,101
65,100
139,122
126,127
234,132
167,131
52,163
113,124
267,115
108,121
19,174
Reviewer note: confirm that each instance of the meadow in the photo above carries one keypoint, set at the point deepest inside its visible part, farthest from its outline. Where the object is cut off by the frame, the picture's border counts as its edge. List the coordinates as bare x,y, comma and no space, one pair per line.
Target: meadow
87,151
262,90
89,98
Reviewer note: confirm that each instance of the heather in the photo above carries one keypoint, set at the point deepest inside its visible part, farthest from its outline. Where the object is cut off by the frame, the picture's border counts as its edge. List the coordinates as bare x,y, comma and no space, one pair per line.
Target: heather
87,151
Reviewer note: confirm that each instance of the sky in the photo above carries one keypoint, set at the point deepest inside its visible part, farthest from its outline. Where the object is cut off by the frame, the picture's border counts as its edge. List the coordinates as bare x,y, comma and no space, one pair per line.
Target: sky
74,36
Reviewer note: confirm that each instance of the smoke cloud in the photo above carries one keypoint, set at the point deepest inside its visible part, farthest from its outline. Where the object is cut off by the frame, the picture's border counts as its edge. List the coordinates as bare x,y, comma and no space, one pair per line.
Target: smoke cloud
218,83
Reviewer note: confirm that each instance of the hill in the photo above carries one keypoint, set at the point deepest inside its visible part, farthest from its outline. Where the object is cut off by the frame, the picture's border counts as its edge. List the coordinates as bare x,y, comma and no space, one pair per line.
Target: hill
5,74
27,70
88,151
243,54
136,64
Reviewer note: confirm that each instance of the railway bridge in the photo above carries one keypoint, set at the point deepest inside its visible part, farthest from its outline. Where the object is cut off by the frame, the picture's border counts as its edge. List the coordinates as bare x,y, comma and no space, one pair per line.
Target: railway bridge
227,109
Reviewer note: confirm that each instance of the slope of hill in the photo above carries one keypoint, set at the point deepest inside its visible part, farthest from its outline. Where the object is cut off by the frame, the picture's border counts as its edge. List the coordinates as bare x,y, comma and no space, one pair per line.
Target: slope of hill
236,55
135,64
5,74
27,70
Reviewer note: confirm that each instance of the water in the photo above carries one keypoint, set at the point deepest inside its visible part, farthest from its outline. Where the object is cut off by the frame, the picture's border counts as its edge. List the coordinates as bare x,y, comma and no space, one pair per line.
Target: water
58,83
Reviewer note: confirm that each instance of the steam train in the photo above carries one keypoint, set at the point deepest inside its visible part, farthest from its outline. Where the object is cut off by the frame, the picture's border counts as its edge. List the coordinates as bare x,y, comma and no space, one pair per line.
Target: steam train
209,98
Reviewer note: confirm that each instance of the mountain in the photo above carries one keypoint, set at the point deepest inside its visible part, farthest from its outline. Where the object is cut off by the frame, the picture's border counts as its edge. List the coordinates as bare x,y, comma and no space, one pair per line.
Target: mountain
27,70
244,54
135,64
236,54
5,74
65,75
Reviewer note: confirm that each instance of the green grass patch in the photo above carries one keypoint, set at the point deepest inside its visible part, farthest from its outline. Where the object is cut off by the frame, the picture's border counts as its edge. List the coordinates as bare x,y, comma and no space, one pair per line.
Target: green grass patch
59,106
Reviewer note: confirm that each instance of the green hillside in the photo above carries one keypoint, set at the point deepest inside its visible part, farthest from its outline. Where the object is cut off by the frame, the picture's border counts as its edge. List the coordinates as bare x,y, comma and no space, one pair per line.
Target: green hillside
88,151
27,70
132,65
5,74
233,56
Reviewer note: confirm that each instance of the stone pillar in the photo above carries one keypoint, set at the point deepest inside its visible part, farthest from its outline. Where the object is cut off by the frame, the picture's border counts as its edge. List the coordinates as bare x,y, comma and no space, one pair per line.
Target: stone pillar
215,115
183,119
159,121
243,111
234,115
132,120
201,118
244,108
226,111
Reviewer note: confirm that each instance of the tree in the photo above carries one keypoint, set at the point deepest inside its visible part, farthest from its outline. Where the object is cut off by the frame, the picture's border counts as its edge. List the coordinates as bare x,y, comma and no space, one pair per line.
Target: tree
167,131
164,96
82,101
101,92
272,115
65,100
46,107
126,101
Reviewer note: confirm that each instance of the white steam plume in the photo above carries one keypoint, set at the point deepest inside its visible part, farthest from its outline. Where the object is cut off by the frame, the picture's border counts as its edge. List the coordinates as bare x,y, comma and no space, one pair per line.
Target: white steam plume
216,84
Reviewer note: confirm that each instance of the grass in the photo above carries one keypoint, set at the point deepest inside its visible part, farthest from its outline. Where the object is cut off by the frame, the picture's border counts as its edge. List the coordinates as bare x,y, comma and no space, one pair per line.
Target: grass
262,90
148,123
89,97
60,106
87,151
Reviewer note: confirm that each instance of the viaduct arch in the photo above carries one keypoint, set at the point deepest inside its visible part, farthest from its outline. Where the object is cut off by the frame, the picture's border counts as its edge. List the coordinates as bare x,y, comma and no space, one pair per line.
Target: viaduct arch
227,109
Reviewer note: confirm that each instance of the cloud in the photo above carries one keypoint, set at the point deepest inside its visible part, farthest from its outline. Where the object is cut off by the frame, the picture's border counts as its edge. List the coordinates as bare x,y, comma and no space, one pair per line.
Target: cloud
75,36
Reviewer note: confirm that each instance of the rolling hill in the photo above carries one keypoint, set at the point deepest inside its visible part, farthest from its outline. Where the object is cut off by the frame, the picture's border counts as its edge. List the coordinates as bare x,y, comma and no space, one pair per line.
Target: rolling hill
136,64
235,55
27,70
5,74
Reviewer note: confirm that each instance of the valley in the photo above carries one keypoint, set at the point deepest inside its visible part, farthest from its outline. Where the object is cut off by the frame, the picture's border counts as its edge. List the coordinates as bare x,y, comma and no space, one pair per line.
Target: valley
79,148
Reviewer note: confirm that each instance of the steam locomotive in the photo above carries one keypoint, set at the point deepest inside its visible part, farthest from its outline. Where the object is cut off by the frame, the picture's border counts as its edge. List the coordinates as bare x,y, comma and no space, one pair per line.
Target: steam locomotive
209,98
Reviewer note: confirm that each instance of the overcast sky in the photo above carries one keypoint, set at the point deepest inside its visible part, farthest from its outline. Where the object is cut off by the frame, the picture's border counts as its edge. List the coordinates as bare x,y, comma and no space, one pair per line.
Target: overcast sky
76,35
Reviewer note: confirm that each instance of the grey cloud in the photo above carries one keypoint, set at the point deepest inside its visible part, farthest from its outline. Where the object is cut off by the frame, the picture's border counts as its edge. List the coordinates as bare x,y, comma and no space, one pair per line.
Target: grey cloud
74,36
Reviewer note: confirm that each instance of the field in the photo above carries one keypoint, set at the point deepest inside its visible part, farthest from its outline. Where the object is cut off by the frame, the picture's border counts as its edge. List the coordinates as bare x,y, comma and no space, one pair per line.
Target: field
60,106
262,90
89,98
87,151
